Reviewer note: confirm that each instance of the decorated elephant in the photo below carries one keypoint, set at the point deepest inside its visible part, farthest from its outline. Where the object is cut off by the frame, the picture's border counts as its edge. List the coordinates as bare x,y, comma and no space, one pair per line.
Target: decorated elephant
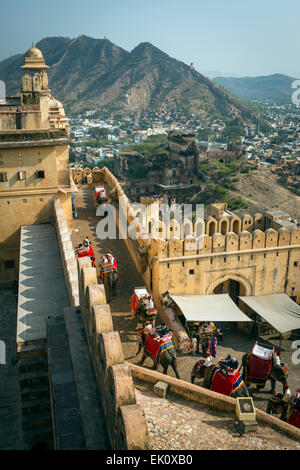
146,311
258,371
162,352
109,277
218,379
279,404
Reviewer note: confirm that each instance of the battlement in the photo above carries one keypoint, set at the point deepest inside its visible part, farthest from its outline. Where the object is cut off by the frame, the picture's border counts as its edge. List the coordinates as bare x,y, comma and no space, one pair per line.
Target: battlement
221,232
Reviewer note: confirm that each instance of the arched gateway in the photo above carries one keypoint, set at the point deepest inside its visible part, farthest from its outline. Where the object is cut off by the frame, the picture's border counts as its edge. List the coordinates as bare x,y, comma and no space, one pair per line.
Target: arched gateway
232,285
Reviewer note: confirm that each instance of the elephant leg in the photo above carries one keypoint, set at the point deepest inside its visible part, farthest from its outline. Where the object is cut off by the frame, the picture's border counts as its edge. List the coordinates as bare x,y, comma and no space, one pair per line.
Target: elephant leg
139,349
273,385
269,408
174,365
143,358
107,284
114,284
283,416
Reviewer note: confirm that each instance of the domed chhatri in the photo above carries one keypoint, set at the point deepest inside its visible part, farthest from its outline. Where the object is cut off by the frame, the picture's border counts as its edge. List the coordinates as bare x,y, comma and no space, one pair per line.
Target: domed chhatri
34,59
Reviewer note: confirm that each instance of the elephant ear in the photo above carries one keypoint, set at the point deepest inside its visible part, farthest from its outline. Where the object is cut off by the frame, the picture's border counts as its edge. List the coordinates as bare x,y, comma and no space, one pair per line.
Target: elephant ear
200,364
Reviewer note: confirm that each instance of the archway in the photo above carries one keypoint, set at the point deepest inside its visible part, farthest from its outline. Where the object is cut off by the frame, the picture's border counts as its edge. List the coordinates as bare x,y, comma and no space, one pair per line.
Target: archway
232,284
233,288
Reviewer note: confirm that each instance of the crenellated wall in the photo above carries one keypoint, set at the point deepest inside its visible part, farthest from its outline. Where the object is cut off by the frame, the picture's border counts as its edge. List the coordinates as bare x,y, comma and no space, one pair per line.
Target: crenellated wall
196,257
67,255
125,420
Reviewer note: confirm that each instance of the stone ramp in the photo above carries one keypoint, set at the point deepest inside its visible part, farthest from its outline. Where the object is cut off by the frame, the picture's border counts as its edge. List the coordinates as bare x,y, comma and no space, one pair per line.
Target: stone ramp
10,410
10,394
42,289
91,411
76,407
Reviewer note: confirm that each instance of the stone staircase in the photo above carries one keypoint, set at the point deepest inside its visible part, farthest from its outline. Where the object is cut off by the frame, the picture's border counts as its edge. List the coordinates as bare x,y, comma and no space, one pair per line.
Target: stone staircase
35,395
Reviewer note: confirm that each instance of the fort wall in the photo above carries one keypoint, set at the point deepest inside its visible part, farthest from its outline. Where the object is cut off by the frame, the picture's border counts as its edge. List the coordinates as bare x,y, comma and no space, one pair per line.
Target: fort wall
125,420
67,255
197,256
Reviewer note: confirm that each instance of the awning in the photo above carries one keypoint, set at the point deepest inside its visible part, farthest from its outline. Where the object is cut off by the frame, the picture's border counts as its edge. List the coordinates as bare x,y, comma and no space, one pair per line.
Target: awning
214,307
277,309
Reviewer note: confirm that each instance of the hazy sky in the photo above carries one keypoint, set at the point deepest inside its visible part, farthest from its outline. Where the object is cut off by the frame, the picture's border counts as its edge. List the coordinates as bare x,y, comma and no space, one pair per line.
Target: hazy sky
257,37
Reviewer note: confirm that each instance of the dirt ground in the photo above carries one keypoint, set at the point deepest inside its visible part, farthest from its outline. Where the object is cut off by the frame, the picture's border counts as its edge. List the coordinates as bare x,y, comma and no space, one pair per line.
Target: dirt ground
260,190
234,341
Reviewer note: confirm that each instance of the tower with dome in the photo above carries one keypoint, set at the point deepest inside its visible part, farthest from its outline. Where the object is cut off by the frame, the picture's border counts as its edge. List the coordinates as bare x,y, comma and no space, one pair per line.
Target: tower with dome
34,159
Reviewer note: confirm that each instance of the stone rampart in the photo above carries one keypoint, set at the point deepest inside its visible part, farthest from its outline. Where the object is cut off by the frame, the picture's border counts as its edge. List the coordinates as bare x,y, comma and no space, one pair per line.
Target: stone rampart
126,423
67,254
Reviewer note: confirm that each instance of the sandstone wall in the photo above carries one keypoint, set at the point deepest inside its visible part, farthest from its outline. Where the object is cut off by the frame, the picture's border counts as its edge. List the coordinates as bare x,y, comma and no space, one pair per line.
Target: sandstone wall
67,254
126,423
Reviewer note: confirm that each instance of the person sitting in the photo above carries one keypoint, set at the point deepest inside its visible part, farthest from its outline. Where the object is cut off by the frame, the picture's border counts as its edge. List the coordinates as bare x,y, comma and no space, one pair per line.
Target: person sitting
277,361
162,330
110,257
229,363
142,334
86,241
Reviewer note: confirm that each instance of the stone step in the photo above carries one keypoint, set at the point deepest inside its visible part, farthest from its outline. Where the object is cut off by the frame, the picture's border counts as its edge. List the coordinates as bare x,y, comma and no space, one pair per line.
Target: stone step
33,350
39,444
37,377
36,419
31,343
33,364
39,433
35,391
35,406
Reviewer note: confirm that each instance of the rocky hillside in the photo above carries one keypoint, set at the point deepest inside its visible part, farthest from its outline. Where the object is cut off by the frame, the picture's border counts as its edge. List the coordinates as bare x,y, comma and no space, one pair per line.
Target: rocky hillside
86,72
275,88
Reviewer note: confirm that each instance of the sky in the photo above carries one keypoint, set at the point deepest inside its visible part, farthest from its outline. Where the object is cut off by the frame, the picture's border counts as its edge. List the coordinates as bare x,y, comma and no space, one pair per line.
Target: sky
228,37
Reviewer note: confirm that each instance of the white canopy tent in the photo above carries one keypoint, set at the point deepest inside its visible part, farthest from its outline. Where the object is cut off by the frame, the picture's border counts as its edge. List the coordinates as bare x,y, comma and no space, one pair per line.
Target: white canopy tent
215,307
277,309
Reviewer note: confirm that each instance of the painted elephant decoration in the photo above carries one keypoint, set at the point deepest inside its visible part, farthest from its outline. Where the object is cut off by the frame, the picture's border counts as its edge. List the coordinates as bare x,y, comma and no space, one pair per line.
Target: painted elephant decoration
270,371
162,352
109,277
220,380
287,407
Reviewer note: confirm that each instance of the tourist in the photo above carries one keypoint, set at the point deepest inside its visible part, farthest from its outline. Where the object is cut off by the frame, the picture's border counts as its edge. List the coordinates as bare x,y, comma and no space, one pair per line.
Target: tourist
213,347
194,343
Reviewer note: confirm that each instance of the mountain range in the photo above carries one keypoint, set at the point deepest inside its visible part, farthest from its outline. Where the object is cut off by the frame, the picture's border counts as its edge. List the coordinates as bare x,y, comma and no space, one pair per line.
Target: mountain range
87,73
276,88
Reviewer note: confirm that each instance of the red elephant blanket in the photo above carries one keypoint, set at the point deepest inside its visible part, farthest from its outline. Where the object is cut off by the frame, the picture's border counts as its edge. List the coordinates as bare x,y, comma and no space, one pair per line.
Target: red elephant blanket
108,268
258,365
87,252
224,383
155,346
294,415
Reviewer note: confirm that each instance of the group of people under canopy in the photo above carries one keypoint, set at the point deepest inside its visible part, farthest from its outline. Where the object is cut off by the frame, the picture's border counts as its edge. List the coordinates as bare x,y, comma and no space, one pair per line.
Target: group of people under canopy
206,335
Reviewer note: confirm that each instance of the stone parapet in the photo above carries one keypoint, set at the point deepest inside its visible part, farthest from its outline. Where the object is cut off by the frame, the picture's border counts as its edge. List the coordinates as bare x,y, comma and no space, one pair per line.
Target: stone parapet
67,253
126,423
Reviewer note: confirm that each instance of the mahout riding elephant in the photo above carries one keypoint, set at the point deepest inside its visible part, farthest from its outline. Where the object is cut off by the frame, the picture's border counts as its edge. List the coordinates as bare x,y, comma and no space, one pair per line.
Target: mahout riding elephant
235,387
162,352
279,404
146,311
109,278
277,374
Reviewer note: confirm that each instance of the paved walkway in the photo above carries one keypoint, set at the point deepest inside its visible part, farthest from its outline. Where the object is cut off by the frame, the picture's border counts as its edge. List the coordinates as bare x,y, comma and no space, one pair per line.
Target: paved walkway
181,425
235,342
91,412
